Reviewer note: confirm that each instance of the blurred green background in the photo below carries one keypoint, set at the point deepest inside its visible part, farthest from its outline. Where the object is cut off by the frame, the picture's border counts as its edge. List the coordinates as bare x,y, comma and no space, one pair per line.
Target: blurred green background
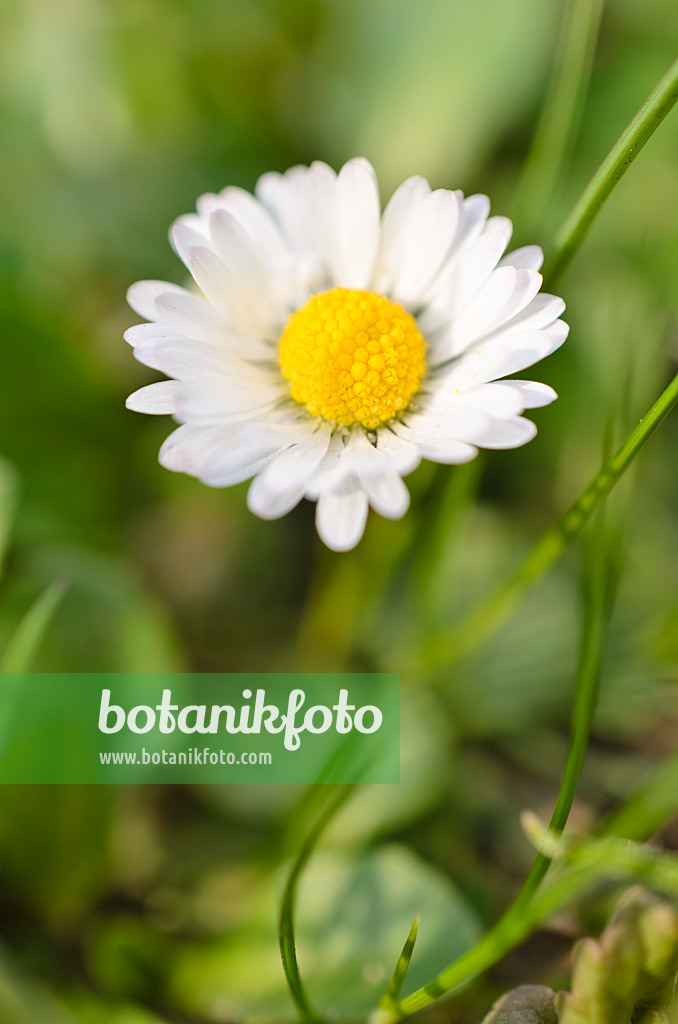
159,904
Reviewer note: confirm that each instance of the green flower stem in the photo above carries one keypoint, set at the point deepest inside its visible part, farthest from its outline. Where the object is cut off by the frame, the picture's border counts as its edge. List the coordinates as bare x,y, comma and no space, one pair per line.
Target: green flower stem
561,112
288,951
511,927
614,166
486,619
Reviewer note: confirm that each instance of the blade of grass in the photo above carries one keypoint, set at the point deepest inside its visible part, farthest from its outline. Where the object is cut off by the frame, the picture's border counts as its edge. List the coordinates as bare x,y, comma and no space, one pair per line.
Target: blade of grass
9,489
389,1000
625,150
492,613
561,113
288,950
600,580
601,575
24,643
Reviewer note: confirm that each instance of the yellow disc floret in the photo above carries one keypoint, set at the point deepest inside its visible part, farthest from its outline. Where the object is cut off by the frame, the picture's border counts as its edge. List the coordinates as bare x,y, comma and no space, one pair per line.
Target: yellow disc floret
352,357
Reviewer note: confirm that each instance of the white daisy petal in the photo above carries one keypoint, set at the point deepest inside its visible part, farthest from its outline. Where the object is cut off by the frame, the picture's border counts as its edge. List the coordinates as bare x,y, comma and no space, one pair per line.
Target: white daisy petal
491,398
532,394
510,433
501,299
221,399
481,257
186,447
449,451
196,222
146,333
341,516
402,205
207,204
217,455
183,237
191,316
466,270
231,292
387,493
291,198
142,295
183,358
282,484
231,465
480,313
404,456
475,211
375,470
542,311
259,225
423,245
357,225
529,257
250,275
157,399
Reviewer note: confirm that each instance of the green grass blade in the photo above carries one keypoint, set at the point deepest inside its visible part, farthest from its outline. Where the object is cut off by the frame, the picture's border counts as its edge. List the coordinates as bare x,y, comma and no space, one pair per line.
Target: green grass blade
390,998
24,643
561,113
491,614
625,150
288,950
9,490
599,588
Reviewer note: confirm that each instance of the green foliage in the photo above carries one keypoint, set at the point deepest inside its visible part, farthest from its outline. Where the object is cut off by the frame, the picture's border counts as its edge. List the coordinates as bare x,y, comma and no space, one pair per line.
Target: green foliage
137,907
630,973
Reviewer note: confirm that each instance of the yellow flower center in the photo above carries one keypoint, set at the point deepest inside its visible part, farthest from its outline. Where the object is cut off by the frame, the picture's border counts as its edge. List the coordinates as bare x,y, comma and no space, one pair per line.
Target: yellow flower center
352,357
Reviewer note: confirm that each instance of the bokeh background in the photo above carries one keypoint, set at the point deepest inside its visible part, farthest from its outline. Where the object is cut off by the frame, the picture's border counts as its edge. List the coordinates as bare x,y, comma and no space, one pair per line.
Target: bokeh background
144,905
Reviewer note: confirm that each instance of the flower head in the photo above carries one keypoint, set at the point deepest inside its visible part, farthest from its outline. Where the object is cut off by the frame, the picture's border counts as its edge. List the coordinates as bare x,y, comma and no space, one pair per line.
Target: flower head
327,349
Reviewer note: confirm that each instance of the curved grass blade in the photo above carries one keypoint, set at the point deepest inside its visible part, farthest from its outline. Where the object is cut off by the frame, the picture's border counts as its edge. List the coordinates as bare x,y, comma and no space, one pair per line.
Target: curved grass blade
491,614
625,150
26,639
288,951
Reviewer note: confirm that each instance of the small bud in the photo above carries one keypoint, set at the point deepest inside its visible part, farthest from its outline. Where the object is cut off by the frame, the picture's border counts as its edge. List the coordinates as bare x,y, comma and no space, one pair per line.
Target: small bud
633,966
529,1004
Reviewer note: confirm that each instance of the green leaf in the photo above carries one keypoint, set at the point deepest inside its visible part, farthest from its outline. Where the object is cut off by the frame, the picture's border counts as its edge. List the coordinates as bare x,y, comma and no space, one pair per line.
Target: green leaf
352,913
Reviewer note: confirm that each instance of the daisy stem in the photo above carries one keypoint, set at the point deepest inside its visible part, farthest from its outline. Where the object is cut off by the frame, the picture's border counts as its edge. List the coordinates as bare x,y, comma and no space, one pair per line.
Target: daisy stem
486,619
614,166
561,112
286,934
519,919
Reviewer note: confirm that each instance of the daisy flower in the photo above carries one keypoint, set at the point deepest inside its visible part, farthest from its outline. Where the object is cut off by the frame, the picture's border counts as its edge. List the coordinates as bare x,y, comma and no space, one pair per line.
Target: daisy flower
327,349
